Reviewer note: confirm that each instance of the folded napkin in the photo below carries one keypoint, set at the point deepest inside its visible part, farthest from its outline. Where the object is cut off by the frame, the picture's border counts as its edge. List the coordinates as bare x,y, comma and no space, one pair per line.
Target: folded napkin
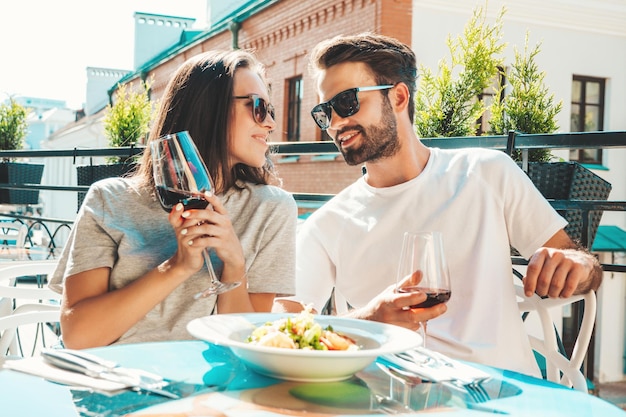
37,366
435,367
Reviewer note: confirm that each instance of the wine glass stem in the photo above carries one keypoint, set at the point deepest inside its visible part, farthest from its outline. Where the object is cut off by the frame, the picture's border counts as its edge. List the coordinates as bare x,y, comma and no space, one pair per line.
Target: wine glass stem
423,332
209,266
216,286
214,281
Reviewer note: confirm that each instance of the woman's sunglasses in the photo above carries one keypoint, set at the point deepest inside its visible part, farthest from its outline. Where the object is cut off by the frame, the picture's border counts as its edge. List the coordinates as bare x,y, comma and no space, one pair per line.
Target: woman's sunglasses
260,108
345,104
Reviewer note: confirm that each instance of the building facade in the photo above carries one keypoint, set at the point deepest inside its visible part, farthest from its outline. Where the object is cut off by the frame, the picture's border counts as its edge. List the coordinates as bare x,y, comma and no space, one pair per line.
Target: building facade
583,54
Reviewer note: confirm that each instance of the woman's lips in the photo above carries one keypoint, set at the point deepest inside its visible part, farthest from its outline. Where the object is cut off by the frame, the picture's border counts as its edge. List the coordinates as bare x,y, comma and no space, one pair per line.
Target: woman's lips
261,139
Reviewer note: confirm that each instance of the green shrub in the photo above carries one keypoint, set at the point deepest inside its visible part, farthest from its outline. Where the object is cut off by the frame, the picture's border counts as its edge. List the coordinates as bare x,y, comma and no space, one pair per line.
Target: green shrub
447,104
528,107
13,126
128,121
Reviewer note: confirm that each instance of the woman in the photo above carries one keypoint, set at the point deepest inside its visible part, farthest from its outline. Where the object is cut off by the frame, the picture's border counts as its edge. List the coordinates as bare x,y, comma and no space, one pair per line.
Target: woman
129,276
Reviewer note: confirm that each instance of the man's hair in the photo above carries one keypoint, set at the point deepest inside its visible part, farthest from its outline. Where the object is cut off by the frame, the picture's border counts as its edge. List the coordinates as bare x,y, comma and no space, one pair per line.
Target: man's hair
389,60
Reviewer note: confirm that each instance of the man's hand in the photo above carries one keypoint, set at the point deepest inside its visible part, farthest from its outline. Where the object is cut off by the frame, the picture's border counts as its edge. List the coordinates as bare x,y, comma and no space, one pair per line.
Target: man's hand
562,272
394,308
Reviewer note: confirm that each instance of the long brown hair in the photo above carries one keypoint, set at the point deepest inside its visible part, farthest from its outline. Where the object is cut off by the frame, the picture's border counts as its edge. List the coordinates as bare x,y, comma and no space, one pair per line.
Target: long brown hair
198,99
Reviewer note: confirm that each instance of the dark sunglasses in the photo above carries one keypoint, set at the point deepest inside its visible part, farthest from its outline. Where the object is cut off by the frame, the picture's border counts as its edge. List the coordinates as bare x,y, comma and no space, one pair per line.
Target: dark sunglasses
345,104
260,108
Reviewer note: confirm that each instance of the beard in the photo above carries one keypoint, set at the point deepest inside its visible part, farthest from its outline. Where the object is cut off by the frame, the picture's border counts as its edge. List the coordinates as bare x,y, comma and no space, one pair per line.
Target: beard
377,141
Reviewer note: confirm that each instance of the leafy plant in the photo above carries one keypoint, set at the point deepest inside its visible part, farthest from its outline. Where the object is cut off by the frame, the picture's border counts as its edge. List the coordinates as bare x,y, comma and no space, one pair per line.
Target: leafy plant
447,105
13,126
528,107
127,121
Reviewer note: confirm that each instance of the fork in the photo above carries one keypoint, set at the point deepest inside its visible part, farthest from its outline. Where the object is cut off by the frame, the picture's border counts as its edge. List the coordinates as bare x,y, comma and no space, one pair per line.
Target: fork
473,388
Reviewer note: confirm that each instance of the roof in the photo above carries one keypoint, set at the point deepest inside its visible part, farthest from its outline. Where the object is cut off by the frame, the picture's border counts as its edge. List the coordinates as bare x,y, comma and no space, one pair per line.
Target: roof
609,239
193,37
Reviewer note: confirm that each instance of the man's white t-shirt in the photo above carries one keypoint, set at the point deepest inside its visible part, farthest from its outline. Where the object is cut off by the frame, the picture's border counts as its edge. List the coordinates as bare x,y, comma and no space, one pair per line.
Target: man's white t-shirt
482,203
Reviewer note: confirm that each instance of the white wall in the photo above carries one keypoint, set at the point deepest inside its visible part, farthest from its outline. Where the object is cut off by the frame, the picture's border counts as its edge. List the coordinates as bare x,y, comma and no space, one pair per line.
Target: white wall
86,134
611,323
577,37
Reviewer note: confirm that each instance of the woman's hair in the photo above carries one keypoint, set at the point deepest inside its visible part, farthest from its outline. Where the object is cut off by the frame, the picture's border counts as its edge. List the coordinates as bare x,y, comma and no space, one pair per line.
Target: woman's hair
198,99
389,60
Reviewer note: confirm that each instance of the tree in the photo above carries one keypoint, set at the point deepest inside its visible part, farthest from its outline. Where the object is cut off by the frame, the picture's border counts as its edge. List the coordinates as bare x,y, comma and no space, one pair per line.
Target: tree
448,106
528,107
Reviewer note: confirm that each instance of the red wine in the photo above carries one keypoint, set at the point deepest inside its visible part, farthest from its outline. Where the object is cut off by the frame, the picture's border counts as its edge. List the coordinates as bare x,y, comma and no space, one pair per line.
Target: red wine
434,296
169,198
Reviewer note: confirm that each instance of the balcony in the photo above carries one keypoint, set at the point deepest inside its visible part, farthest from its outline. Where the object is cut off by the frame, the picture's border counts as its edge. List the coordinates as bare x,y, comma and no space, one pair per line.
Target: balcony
47,234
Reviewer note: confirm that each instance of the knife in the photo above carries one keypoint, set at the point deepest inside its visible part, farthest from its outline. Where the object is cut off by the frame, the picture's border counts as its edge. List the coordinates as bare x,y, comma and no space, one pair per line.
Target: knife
148,377
71,362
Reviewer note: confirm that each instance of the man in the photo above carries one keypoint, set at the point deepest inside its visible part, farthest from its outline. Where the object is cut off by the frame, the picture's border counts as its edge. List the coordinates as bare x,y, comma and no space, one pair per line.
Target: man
477,198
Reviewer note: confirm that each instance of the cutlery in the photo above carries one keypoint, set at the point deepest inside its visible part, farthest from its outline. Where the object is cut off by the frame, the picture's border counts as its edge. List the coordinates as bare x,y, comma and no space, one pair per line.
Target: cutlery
476,391
147,377
129,378
438,367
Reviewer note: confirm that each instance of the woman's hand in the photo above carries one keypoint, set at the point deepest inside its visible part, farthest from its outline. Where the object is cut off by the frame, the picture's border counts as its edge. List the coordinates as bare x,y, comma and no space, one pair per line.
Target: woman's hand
197,229
188,257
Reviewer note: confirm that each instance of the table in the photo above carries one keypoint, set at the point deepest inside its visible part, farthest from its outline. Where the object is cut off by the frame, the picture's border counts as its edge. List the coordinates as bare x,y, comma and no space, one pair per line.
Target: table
222,386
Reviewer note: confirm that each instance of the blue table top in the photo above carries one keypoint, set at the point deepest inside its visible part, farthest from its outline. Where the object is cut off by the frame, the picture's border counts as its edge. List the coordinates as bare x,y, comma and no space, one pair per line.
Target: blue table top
214,382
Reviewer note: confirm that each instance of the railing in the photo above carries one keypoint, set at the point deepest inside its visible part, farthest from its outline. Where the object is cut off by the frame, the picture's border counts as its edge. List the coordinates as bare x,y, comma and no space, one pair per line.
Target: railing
524,142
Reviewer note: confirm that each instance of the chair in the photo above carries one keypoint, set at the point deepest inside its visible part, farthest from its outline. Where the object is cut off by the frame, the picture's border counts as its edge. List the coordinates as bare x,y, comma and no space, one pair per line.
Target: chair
23,315
20,304
13,240
559,368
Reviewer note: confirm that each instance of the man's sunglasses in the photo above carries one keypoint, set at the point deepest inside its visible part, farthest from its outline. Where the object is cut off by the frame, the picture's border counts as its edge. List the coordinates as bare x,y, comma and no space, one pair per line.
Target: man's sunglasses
345,104
260,108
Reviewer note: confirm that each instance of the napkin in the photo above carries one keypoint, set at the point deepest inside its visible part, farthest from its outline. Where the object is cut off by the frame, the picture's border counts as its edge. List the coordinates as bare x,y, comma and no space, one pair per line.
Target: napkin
38,367
435,366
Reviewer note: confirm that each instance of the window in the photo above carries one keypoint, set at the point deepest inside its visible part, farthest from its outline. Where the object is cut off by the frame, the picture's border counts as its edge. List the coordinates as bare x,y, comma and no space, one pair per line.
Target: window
587,114
294,102
496,85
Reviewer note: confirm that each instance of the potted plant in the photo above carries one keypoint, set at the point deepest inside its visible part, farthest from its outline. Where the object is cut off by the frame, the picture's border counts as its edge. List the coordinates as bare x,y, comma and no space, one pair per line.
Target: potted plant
529,108
13,129
126,123
446,104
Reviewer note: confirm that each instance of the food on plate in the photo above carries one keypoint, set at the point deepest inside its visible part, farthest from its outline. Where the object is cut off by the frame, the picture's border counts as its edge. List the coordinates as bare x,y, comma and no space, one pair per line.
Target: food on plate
300,332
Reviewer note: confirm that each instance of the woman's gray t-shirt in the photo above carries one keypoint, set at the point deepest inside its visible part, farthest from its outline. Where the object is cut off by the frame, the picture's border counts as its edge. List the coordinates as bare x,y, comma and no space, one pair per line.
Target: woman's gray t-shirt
122,226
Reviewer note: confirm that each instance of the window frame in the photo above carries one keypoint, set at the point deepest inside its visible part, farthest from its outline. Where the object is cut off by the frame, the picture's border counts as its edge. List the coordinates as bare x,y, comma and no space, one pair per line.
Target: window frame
582,155
295,90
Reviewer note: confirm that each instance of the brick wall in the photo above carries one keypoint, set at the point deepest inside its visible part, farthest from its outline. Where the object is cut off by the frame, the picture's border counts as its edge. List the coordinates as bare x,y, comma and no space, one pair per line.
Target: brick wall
310,176
282,36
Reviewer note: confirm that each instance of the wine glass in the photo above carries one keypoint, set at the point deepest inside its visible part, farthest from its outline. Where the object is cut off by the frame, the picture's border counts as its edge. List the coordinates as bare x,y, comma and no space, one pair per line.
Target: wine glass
180,176
423,268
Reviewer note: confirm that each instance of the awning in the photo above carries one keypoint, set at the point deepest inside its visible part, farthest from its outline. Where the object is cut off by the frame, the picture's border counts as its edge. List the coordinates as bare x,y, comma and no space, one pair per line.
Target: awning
609,239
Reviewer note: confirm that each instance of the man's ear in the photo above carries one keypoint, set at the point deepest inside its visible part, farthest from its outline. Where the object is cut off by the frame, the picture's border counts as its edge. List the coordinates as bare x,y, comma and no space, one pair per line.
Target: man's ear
399,97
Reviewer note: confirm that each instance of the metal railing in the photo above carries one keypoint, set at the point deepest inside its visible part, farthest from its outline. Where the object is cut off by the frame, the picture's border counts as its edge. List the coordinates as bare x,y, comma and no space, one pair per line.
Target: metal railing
506,143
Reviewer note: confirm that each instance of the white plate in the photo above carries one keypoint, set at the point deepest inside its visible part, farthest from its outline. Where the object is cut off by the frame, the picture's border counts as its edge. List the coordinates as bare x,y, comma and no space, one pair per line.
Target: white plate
374,338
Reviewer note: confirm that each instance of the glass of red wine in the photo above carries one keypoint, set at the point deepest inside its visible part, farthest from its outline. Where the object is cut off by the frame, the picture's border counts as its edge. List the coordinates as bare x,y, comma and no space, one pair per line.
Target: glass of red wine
180,176
423,268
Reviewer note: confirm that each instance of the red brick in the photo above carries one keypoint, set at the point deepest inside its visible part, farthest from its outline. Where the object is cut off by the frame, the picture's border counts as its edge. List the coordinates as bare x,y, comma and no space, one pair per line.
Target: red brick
282,36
